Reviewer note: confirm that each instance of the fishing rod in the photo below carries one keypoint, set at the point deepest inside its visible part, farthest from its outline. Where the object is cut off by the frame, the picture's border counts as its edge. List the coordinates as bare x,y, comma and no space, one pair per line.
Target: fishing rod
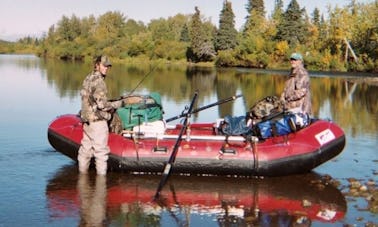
145,76
139,83
205,107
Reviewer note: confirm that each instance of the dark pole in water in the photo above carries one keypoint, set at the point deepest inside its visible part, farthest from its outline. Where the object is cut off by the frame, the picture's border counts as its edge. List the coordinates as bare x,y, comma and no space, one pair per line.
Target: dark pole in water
168,166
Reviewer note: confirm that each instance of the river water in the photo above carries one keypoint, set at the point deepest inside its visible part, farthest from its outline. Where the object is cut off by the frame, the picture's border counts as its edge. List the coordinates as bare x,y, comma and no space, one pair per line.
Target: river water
41,187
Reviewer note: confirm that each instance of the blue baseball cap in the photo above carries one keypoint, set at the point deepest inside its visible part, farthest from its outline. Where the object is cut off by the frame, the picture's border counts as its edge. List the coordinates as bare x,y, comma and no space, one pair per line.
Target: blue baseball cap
296,56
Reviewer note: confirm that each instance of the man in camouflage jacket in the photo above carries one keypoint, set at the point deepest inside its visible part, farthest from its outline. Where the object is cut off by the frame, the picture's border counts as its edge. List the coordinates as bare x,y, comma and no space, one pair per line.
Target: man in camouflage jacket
95,113
297,95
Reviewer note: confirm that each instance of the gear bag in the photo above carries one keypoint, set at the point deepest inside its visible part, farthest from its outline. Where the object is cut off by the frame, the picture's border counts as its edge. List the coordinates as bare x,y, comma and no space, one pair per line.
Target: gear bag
235,126
281,124
275,127
265,107
141,109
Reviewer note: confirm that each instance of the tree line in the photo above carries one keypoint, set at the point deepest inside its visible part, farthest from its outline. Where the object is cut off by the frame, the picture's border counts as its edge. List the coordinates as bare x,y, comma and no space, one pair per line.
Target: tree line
345,40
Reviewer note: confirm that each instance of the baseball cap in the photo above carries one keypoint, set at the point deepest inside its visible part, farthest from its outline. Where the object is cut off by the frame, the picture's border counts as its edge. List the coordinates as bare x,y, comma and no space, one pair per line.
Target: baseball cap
105,60
296,56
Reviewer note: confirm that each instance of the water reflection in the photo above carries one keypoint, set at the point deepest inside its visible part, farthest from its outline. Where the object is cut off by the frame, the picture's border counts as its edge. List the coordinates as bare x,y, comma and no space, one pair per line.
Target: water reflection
92,200
21,61
128,200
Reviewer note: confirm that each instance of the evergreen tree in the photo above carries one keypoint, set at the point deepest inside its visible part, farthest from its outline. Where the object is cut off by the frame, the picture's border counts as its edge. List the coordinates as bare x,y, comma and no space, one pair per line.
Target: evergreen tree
292,28
276,19
184,35
322,28
314,29
226,36
201,48
251,50
353,7
277,11
316,17
256,15
196,36
257,5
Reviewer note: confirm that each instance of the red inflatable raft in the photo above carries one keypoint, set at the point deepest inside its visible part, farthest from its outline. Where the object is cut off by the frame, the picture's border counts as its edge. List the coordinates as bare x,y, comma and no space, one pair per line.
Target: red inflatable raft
203,151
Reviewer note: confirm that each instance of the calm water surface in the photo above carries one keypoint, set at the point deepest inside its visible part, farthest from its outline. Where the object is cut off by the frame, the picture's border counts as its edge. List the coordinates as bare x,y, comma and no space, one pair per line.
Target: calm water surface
41,187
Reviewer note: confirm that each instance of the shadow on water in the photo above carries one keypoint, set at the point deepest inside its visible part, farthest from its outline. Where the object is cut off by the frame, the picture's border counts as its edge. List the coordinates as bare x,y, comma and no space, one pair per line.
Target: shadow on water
124,199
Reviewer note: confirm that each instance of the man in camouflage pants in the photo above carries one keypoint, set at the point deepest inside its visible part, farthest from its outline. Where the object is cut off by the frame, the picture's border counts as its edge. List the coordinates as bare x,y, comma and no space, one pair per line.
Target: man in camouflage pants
95,112
297,95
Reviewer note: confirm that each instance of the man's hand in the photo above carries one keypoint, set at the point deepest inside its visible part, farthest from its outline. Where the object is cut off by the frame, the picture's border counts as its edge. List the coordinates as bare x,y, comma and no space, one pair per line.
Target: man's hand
117,104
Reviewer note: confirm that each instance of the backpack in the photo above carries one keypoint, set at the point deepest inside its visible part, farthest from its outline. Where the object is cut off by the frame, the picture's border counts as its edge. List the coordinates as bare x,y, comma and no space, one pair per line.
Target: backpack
265,107
235,126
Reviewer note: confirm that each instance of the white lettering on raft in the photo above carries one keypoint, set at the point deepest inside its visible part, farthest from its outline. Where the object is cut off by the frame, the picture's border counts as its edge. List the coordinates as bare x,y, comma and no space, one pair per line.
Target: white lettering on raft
325,136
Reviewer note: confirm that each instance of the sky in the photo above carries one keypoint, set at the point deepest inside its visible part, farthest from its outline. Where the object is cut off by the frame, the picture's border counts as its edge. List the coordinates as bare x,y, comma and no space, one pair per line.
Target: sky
21,18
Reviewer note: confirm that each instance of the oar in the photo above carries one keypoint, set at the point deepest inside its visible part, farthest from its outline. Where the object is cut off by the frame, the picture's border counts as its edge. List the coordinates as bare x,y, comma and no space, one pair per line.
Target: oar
168,166
205,107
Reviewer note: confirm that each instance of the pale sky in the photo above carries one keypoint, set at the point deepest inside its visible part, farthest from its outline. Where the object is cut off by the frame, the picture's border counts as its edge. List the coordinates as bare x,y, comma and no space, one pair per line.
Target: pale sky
21,18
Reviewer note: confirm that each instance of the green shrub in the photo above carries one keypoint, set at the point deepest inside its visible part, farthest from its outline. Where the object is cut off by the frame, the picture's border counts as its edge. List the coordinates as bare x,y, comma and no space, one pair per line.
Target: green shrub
225,58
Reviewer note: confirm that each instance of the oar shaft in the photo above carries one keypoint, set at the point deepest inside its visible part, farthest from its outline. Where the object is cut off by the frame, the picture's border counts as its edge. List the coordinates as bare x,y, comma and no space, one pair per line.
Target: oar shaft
168,166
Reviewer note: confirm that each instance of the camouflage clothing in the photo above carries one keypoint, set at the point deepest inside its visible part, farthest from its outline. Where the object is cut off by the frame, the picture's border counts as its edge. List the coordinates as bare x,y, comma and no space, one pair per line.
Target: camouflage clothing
96,110
265,107
296,95
94,105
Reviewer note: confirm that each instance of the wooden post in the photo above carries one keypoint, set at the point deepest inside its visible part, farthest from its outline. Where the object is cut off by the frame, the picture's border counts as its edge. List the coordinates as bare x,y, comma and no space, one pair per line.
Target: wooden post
346,53
351,50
